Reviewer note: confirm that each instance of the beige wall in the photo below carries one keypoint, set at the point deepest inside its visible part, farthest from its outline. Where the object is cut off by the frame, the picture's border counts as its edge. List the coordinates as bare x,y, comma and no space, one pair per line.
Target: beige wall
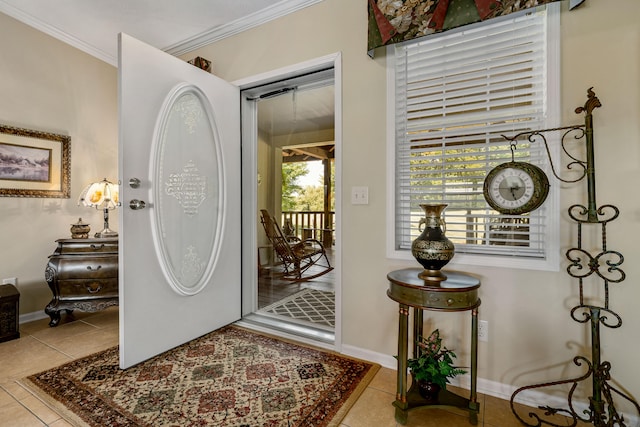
532,337
49,86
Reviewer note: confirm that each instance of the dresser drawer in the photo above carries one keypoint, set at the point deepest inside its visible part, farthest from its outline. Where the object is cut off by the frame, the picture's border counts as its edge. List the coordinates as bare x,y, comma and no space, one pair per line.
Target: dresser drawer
82,246
95,267
93,288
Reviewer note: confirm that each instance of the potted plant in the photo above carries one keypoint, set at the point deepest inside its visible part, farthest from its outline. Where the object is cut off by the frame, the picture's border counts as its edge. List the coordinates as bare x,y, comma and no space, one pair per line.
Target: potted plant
433,367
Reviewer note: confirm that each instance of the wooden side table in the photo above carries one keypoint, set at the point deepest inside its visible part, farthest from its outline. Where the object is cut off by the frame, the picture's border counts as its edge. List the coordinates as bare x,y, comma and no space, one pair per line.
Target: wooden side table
458,293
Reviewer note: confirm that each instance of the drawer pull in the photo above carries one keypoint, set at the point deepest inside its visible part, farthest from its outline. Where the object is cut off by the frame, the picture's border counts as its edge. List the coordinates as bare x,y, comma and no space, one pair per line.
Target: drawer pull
97,247
94,269
94,290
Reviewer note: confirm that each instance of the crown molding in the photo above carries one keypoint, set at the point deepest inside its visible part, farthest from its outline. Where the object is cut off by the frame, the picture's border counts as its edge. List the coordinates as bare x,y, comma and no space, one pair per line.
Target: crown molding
270,13
263,16
57,33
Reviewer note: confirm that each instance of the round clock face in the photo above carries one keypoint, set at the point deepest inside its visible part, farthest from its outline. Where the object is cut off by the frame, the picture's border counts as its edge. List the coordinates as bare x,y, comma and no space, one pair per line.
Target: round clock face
515,188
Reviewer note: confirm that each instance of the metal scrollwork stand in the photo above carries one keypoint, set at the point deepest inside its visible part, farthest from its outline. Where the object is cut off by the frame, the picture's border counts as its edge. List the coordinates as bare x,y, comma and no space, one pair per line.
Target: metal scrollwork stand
604,266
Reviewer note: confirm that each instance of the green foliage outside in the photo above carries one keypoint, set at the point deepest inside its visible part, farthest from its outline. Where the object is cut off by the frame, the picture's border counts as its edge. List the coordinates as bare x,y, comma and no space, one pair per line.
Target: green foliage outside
290,188
298,198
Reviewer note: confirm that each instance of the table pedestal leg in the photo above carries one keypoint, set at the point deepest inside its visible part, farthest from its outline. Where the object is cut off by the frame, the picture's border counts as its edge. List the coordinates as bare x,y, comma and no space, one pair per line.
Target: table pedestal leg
401,395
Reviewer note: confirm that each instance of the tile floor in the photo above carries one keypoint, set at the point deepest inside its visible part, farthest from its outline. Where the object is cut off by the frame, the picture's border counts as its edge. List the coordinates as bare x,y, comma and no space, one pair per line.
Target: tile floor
40,348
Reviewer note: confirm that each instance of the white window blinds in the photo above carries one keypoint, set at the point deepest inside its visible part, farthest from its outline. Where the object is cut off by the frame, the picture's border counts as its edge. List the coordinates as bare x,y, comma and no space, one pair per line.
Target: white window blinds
456,93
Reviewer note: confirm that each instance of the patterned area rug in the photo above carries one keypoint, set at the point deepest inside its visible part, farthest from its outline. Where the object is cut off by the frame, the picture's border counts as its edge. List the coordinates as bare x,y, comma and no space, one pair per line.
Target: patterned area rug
308,305
230,377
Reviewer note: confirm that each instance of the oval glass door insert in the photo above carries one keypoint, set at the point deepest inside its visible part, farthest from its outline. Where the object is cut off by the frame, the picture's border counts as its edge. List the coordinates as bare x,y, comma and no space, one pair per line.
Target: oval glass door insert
187,190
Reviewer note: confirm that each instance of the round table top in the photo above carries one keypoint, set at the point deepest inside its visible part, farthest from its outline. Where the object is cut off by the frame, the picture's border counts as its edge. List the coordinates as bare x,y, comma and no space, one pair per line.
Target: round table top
455,280
458,292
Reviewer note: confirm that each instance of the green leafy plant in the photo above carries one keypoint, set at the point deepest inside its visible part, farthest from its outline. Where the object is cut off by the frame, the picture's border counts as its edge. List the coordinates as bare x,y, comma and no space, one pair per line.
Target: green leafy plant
435,362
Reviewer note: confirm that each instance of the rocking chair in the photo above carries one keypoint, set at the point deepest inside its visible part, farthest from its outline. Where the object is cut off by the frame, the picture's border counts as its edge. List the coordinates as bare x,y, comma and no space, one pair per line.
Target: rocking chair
296,256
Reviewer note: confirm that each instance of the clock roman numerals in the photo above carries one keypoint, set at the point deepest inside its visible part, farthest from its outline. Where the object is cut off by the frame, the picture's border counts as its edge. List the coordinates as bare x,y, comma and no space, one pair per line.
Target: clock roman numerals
515,188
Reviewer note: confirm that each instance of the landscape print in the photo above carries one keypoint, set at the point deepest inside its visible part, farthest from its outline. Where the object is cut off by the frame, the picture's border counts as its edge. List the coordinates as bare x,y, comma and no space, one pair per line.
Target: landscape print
21,163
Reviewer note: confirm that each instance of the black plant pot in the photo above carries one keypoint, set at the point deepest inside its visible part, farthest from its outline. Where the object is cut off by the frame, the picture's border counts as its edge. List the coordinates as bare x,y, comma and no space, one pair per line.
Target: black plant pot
429,391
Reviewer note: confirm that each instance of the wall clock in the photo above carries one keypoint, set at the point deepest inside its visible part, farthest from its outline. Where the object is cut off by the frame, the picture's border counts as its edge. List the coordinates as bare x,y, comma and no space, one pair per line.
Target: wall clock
514,188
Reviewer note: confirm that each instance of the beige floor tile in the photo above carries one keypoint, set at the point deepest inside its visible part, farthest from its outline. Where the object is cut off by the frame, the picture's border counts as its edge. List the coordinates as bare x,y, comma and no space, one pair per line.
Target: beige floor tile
17,415
436,417
26,356
6,399
60,423
499,413
373,408
88,343
43,324
385,380
15,390
106,318
51,336
40,410
33,327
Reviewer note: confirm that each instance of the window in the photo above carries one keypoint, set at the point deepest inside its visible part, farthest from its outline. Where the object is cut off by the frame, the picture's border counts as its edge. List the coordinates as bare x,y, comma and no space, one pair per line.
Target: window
453,96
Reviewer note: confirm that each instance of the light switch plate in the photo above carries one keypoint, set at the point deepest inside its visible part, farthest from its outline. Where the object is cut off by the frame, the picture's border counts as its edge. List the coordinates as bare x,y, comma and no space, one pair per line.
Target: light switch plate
359,195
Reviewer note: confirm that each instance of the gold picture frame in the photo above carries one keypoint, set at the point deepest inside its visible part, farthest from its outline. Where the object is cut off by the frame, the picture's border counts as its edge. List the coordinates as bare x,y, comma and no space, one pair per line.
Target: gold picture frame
34,163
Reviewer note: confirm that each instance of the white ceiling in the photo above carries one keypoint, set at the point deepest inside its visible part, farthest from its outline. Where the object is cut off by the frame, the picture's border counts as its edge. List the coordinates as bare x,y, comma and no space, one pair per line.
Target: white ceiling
176,27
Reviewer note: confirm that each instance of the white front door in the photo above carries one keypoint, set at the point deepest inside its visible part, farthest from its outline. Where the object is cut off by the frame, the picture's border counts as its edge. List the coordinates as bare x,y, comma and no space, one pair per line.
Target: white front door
180,236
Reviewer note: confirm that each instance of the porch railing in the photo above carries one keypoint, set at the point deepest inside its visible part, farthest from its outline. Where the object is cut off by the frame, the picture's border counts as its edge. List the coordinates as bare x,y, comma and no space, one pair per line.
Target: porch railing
308,224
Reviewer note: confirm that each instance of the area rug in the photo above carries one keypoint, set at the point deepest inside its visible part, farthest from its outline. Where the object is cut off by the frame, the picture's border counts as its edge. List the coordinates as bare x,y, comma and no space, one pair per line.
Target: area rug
230,377
307,305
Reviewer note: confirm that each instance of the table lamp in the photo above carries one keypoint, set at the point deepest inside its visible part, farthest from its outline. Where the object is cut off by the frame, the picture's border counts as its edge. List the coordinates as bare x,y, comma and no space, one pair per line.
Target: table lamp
101,195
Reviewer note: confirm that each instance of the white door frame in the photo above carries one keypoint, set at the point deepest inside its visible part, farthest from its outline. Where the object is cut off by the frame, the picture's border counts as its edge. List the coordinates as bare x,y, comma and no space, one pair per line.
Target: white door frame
250,179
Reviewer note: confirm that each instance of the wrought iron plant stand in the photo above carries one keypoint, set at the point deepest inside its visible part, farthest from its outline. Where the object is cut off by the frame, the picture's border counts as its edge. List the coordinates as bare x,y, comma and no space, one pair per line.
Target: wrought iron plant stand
602,266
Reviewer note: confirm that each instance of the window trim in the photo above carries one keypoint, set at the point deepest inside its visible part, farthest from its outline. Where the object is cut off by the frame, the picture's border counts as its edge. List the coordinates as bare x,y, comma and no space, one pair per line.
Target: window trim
551,261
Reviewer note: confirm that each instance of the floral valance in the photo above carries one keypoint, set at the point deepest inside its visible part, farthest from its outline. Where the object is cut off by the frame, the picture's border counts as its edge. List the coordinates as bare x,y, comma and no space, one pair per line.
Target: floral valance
394,21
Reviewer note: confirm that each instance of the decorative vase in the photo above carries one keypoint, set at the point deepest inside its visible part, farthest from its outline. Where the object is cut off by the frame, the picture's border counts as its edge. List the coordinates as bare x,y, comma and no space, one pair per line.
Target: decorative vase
432,249
80,230
429,391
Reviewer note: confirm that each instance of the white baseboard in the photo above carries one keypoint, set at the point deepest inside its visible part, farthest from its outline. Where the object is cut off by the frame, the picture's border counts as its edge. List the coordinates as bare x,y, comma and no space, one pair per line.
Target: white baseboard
530,398
30,317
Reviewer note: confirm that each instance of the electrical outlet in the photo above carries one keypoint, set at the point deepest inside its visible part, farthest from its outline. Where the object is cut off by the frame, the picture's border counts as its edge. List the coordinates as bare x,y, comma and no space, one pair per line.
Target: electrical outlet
483,331
10,281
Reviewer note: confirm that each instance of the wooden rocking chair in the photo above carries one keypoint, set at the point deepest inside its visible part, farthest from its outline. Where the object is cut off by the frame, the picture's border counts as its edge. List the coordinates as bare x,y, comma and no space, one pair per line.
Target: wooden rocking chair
296,256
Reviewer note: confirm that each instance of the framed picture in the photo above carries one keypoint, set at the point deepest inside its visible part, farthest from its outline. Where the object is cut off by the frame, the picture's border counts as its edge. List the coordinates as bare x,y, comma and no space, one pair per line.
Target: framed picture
34,164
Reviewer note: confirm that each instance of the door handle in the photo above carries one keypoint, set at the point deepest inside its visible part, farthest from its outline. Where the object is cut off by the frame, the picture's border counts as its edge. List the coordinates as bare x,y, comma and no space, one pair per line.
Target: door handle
134,182
136,204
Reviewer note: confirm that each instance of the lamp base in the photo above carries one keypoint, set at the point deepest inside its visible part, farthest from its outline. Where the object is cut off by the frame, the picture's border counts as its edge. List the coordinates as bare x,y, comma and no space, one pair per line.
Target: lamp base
106,233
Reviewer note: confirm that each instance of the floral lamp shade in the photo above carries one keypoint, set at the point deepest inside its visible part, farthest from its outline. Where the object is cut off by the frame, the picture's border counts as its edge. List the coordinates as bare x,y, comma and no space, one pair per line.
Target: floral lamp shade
101,195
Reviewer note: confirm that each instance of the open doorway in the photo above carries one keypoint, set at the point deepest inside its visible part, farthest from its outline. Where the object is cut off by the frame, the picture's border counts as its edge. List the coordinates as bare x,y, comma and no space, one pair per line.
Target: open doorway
289,126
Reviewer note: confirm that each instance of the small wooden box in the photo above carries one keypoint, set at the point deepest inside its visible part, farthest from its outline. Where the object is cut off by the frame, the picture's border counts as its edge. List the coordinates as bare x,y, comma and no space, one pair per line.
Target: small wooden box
9,312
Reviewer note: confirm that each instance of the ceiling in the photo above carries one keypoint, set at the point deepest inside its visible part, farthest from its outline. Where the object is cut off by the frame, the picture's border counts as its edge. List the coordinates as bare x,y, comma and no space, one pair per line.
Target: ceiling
176,27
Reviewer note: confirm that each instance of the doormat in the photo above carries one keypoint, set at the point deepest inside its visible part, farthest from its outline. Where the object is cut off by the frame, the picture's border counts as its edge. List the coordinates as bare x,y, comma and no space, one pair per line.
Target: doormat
230,377
308,305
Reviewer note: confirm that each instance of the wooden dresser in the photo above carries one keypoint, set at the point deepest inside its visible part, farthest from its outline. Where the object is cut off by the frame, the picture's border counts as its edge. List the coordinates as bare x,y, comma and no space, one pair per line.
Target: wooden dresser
83,275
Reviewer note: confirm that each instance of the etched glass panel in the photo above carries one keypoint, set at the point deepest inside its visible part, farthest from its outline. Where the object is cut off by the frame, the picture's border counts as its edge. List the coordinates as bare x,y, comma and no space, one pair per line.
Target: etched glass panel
187,182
